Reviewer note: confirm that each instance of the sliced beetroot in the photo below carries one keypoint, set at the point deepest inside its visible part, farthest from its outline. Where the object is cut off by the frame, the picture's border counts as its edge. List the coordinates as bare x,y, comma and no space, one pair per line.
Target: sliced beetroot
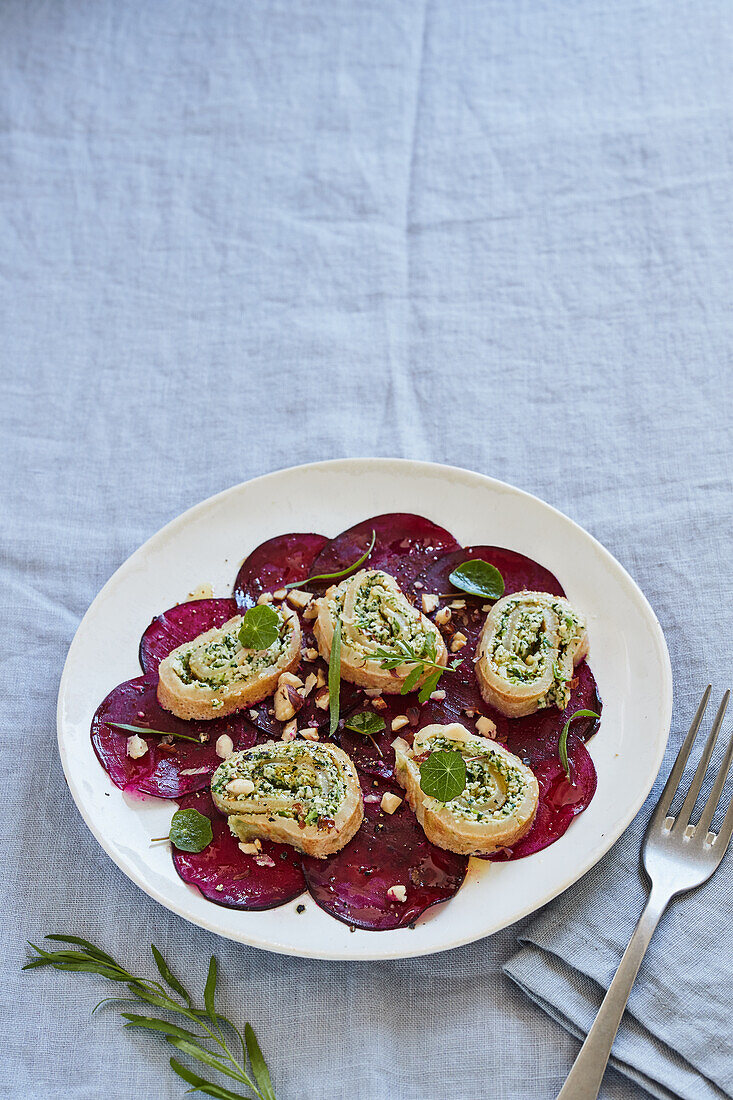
561,799
180,624
279,561
224,874
406,545
389,850
167,771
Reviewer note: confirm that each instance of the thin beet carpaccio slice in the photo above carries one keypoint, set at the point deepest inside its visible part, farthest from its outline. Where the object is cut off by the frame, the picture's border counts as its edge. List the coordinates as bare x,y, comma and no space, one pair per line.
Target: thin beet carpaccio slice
224,874
166,770
389,850
282,560
180,624
405,546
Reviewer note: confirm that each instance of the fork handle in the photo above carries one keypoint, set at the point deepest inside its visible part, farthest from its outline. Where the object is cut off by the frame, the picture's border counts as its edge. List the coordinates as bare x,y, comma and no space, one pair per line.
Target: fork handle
584,1079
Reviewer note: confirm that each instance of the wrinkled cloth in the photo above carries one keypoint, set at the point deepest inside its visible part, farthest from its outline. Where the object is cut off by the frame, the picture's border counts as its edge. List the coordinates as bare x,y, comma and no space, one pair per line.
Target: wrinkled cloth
241,236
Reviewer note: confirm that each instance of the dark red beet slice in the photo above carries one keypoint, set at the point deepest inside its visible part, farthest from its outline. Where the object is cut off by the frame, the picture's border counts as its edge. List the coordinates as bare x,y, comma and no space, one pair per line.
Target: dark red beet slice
405,546
181,624
388,850
278,561
561,799
224,874
167,772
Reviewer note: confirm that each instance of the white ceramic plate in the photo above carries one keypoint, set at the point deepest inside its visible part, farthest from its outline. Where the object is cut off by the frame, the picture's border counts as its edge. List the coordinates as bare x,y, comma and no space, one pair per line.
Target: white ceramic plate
207,544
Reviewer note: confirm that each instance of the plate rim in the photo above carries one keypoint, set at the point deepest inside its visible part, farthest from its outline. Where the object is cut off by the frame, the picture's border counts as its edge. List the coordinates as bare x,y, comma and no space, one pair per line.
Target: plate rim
384,464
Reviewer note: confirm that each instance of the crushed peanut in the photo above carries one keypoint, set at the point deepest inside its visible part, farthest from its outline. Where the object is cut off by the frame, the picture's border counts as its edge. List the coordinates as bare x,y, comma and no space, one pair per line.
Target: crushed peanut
458,641
486,727
430,603
400,722
444,616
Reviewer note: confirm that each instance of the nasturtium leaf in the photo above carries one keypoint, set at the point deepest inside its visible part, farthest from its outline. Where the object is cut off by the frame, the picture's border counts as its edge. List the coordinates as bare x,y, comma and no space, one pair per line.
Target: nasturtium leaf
562,746
190,831
260,627
478,578
443,775
366,722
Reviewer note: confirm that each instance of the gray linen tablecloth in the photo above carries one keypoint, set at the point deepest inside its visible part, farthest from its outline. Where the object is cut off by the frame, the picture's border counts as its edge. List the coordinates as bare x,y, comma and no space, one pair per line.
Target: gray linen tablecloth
239,236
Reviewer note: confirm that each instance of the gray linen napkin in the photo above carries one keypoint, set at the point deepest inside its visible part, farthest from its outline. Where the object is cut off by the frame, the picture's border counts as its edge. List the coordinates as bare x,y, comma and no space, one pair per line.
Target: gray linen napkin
676,1038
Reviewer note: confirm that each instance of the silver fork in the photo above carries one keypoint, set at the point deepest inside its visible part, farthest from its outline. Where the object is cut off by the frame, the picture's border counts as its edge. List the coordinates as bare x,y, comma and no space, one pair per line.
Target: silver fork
677,857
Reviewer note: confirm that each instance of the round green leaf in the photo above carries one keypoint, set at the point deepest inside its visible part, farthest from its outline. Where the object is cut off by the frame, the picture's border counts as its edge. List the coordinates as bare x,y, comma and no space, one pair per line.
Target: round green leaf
367,722
443,775
260,627
478,578
190,831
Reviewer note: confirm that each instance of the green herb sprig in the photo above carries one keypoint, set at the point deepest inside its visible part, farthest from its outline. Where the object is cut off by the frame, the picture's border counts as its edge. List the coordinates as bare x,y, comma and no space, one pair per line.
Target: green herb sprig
146,729
210,1043
341,572
403,653
562,746
334,680
443,775
260,627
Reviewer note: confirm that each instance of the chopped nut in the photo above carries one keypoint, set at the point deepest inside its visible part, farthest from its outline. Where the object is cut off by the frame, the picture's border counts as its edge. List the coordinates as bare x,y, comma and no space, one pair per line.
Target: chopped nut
400,722
251,849
310,682
322,698
240,786
458,641
136,747
266,597
321,678
429,603
438,696
299,599
310,734
311,611
290,730
390,802
254,714
469,712
310,654
287,699
378,703
457,604
224,746
419,584
397,893
486,727
486,607
443,616
280,594
372,693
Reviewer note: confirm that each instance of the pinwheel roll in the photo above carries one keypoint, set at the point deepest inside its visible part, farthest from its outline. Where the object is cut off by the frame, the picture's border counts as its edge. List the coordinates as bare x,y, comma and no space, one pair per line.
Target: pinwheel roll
527,650
215,674
497,806
293,792
383,637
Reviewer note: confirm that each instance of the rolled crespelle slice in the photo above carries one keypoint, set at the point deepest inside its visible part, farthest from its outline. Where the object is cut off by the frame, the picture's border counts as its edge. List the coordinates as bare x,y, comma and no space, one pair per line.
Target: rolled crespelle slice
300,793
527,650
376,618
214,674
497,806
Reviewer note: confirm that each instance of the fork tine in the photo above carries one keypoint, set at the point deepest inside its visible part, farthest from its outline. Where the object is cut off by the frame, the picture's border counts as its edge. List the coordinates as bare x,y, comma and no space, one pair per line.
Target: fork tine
725,831
683,817
711,805
670,787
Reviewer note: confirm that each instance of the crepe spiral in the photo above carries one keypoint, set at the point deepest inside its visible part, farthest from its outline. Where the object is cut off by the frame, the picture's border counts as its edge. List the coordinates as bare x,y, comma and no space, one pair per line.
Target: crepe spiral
527,651
376,618
496,808
214,674
300,793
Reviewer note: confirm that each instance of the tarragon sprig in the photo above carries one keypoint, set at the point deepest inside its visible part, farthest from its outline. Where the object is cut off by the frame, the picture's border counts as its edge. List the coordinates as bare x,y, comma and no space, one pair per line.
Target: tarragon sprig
403,653
208,1019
